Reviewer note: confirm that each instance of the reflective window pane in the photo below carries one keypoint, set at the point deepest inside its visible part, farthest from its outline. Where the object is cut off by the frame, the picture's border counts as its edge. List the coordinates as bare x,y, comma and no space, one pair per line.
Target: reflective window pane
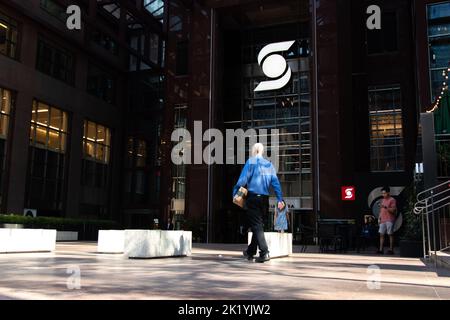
8,36
96,142
386,129
439,45
56,118
48,127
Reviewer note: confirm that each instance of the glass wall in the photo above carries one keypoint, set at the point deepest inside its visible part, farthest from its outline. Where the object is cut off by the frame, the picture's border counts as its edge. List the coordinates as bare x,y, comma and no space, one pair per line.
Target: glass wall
287,109
6,104
95,171
179,171
439,44
47,159
9,37
136,177
156,8
386,129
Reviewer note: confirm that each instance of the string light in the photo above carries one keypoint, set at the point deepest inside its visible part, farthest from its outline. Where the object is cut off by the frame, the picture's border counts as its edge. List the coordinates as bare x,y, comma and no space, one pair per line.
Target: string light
444,88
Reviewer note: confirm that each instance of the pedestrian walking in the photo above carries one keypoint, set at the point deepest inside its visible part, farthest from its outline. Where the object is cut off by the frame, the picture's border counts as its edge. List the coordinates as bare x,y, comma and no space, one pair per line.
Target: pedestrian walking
257,176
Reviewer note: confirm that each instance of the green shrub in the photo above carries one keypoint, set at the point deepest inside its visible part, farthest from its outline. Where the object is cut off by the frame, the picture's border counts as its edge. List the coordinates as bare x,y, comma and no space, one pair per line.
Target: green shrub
87,228
52,222
412,223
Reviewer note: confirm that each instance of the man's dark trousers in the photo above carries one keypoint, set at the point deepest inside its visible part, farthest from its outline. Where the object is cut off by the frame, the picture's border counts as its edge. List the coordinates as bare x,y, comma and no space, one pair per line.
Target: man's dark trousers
257,205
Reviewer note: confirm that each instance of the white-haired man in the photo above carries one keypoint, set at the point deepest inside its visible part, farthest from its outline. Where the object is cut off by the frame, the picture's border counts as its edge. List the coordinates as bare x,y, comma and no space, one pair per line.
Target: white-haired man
258,175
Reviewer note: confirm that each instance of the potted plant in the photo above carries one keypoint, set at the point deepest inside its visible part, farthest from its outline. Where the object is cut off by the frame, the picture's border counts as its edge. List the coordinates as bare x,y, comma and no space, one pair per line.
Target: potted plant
411,242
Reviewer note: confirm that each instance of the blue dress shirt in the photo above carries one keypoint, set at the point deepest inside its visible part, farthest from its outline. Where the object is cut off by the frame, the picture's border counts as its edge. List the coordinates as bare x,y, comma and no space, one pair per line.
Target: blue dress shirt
258,175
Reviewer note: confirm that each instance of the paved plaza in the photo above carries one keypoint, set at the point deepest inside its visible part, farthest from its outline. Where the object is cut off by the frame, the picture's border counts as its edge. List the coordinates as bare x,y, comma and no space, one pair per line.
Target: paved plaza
76,271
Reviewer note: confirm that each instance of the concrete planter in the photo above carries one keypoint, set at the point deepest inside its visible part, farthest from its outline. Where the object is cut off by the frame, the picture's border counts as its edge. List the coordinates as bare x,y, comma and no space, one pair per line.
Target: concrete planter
27,240
111,241
157,243
280,244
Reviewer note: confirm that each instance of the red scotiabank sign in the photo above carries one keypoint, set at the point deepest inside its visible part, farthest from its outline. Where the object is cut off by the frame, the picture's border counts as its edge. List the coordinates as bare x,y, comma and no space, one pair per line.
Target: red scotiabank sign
348,193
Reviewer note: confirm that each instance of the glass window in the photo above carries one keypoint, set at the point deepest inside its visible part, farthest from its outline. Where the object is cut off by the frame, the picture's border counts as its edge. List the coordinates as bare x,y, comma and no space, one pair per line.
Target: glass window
95,170
175,23
439,44
46,166
179,171
155,7
55,9
136,175
101,84
287,109
105,41
9,34
6,102
96,142
48,127
141,154
386,129
136,153
441,10
154,48
55,62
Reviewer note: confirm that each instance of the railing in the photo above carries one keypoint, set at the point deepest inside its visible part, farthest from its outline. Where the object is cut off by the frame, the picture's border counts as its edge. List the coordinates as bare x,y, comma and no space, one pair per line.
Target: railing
443,155
434,207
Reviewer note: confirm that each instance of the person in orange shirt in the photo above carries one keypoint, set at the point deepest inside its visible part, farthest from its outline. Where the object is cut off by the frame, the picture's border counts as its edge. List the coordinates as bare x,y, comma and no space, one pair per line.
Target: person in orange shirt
388,210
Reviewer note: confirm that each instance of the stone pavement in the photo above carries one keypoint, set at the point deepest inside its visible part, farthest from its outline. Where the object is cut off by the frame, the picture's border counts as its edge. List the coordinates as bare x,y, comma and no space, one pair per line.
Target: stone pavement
216,272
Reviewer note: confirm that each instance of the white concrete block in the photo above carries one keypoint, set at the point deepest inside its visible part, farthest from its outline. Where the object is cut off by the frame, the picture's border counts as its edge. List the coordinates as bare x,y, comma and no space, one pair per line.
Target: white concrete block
66,236
4,239
27,240
176,243
111,241
157,243
280,244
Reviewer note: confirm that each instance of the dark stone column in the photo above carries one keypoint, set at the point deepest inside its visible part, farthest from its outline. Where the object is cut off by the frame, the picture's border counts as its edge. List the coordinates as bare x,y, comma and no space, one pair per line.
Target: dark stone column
74,166
329,108
19,154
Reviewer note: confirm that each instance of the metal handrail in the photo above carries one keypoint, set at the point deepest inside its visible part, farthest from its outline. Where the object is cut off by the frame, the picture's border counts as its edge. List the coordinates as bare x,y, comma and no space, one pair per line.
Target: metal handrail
420,194
429,202
419,209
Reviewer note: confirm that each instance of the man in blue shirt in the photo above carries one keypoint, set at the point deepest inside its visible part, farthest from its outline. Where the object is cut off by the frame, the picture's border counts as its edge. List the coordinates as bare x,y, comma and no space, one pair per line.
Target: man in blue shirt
258,175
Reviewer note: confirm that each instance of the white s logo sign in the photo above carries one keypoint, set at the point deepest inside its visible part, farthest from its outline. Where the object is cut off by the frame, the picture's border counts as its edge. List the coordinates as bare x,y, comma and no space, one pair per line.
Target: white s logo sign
274,66
348,193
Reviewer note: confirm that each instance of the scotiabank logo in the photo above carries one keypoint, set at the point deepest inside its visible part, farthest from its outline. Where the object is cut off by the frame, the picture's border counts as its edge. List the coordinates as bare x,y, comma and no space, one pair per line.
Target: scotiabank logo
348,193
274,66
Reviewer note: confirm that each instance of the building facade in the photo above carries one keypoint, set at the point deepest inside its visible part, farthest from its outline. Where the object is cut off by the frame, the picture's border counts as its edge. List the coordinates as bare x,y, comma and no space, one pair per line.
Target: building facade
342,118
75,142
87,116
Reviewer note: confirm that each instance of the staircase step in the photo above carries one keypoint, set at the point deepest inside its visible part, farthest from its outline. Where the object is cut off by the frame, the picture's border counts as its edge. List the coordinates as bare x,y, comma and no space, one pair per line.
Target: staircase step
443,258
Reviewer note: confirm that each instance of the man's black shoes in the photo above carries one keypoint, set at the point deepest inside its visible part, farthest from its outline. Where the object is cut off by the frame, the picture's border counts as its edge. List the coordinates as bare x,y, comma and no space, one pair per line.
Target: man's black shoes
263,258
260,259
248,256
